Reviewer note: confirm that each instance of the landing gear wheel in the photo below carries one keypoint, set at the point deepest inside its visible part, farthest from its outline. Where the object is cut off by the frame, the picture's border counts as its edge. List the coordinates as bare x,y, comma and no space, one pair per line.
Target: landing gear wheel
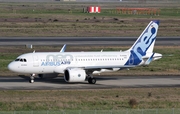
31,80
92,80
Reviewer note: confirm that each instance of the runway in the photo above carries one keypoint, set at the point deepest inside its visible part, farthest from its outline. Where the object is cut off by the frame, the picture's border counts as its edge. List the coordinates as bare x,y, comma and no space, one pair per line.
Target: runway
103,82
121,41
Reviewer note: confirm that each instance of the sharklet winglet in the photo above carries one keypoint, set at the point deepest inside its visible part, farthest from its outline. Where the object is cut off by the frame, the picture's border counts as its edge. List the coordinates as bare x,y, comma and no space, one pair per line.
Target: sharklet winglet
63,48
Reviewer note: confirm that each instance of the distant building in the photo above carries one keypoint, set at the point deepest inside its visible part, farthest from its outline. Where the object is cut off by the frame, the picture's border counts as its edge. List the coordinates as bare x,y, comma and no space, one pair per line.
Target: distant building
94,9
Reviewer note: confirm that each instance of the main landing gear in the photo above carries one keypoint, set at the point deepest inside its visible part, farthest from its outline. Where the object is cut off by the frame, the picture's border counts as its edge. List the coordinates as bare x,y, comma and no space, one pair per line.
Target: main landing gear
91,80
31,80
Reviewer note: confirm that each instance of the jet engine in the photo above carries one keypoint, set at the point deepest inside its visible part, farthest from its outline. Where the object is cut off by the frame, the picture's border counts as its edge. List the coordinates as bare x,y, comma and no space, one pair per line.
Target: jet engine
52,75
74,75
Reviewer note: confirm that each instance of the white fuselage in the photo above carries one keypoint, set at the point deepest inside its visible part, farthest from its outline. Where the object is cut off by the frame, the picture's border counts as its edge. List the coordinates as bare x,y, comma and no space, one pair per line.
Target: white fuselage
56,62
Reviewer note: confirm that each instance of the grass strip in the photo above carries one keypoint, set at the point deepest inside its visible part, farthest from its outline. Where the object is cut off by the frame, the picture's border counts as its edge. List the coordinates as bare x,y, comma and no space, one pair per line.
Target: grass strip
100,99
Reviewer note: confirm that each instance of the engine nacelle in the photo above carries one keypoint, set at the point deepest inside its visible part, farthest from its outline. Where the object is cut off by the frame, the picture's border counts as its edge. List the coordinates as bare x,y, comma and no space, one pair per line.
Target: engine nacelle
52,75
74,75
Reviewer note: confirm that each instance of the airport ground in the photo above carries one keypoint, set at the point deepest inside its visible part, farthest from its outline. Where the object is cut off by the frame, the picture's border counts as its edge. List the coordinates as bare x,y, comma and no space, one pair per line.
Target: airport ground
90,99
37,19
68,19
55,94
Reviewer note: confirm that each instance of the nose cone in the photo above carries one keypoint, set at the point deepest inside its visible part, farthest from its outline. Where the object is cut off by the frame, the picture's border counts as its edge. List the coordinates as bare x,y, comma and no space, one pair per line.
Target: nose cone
12,67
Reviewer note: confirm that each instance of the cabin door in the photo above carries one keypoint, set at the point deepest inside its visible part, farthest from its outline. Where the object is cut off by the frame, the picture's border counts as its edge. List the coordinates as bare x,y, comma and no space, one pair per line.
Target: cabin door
35,61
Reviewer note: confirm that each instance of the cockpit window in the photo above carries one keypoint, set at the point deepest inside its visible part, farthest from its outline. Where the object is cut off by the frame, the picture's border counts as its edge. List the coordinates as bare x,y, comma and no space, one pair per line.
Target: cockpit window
17,60
21,60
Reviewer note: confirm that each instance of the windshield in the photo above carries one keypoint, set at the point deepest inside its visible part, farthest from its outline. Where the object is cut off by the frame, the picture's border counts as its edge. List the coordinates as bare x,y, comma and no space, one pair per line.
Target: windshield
21,60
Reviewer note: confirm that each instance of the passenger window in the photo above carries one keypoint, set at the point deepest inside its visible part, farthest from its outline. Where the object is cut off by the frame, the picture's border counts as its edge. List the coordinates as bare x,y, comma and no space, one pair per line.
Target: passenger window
21,60
25,60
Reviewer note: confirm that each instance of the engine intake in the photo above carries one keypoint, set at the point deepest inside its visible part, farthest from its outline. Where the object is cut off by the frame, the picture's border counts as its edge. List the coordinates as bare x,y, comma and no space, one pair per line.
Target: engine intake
74,75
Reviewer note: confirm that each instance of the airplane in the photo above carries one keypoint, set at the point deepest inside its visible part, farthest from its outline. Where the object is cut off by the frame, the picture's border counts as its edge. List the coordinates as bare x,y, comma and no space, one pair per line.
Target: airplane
80,66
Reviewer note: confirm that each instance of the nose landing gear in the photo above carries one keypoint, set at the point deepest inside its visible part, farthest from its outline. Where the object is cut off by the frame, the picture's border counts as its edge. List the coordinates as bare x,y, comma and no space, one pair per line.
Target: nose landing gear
31,80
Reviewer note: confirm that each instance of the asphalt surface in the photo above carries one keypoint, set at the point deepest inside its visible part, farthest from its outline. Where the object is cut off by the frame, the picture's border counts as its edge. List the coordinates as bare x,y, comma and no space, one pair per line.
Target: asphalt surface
21,83
123,41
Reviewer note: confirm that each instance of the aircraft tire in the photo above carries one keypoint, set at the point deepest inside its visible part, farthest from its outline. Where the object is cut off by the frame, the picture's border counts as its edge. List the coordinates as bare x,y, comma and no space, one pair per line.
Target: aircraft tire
92,80
31,81
89,80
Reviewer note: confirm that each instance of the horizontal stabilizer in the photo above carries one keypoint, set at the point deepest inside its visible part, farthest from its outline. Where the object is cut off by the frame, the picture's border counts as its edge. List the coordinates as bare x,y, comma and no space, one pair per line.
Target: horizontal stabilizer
154,56
148,61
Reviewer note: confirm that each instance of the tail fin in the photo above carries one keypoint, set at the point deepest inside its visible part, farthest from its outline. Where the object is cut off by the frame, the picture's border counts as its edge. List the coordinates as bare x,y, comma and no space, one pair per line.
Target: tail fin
144,45
145,42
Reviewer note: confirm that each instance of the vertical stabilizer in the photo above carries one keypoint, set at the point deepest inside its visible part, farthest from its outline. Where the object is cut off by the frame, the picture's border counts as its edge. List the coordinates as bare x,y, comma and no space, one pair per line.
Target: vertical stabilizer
145,43
146,40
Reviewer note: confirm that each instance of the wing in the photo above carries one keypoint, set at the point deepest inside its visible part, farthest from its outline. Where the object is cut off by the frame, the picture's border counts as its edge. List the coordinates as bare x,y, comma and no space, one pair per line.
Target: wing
91,69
